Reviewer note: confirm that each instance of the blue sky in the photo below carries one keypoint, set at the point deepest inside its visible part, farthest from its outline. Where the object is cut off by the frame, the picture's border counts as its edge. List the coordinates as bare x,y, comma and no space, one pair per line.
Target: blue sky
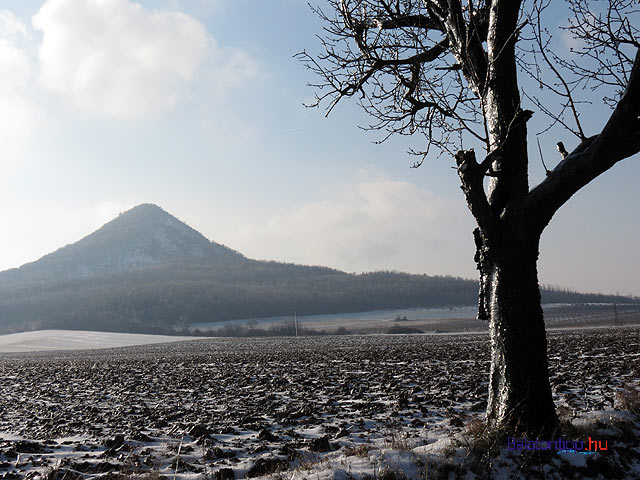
197,106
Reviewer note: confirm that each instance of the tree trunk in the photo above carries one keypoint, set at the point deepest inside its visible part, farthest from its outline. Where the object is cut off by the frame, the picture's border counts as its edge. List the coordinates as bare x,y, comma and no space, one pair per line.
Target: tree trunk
519,390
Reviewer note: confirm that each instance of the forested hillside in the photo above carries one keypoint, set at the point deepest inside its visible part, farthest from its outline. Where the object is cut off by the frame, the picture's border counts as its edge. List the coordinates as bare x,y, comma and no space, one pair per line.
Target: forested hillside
148,272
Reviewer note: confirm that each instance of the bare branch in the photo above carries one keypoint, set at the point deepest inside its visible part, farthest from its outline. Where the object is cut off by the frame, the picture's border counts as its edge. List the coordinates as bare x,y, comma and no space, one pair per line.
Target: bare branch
448,70
539,7
407,21
619,139
396,57
608,39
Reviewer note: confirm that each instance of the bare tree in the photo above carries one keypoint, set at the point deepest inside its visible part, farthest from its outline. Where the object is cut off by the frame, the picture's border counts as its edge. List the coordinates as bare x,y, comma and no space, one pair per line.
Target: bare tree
450,70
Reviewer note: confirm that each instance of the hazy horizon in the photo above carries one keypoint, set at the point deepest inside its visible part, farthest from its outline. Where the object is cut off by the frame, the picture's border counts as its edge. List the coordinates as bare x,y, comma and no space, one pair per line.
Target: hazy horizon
206,120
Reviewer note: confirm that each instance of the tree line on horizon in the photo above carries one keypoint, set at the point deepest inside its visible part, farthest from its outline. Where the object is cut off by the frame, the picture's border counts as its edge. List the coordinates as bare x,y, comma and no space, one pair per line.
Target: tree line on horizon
173,297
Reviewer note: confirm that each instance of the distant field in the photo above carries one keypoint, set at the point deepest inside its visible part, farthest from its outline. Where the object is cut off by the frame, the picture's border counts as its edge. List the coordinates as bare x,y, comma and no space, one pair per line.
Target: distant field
430,321
358,322
47,340
445,320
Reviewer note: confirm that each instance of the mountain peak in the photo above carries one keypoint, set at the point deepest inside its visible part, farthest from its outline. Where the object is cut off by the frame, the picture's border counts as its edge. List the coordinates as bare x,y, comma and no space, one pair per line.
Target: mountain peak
145,209
142,237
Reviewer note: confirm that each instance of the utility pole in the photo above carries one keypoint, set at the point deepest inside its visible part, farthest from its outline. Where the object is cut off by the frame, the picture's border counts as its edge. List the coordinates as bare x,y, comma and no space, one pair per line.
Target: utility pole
295,321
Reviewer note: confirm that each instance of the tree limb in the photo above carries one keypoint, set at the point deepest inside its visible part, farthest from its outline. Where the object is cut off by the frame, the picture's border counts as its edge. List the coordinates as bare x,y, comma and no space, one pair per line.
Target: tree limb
471,175
408,21
619,139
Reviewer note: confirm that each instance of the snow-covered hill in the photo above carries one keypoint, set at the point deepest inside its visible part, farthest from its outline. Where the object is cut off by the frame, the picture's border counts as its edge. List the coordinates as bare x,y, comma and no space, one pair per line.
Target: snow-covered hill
148,272
142,237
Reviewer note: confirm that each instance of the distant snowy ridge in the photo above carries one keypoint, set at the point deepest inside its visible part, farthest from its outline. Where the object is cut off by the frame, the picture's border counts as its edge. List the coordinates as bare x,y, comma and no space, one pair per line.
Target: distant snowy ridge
143,237
48,340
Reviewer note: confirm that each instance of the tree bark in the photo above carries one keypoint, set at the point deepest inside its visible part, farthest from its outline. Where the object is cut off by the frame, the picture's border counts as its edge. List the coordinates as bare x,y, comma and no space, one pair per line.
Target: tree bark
519,390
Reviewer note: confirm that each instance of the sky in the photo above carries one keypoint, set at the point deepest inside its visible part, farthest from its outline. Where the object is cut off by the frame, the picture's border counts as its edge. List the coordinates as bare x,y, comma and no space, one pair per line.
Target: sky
197,106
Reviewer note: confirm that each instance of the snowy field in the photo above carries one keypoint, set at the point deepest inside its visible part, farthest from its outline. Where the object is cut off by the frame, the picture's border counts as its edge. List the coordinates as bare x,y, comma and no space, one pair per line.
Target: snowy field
449,319
361,407
361,321
47,340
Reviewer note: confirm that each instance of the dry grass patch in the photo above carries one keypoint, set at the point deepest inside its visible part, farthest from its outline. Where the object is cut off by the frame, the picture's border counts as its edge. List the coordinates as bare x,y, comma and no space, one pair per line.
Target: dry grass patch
628,398
357,450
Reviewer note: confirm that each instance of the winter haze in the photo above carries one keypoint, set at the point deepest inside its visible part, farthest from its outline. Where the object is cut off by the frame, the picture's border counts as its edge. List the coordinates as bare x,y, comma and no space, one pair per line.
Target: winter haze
197,106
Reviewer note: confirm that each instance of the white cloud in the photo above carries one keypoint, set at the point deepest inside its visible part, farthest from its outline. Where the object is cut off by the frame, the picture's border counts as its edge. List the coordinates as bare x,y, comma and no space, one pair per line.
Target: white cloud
108,58
63,223
568,42
19,113
377,225
239,65
10,26
116,58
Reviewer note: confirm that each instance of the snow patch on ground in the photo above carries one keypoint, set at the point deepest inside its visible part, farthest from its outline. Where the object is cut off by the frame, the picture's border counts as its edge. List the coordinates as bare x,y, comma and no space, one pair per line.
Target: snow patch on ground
47,340
449,456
